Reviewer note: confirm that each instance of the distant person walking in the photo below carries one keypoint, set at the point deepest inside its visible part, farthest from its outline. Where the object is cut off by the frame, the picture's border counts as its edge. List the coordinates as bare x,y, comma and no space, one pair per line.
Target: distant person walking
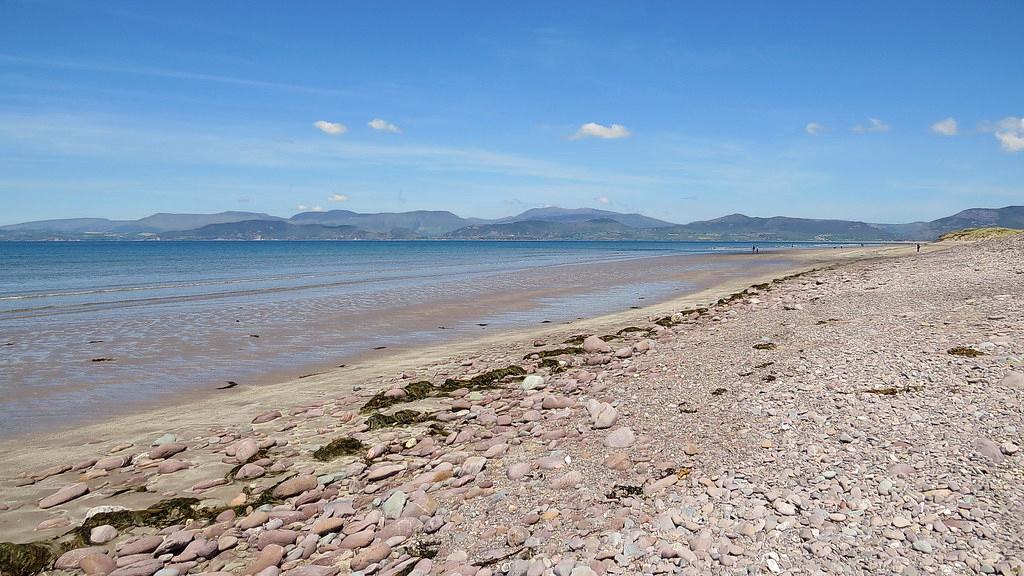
919,247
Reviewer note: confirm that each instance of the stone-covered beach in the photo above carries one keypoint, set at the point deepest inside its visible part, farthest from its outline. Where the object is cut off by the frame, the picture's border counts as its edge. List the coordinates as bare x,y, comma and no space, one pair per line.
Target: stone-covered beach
862,416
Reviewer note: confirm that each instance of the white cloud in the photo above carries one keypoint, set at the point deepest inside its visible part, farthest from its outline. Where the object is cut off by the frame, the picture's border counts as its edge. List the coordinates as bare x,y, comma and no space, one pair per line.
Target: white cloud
383,126
1010,133
595,130
604,200
305,208
332,128
945,127
813,128
337,198
874,125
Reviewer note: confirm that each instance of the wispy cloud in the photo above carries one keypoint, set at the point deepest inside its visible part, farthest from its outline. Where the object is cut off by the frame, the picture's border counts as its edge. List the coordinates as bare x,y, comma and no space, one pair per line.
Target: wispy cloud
813,128
383,126
873,125
332,128
166,73
337,198
595,130
945,127
604,200
305,208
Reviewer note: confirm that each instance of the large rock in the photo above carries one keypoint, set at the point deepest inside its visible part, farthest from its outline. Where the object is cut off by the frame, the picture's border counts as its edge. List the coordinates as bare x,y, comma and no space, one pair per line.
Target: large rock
97,564
620,438
72,558
139,545
294,486
371,555
65,494
602,414
166,450
266,417
990,450
102,534
594,345
269,556
246,449
112,463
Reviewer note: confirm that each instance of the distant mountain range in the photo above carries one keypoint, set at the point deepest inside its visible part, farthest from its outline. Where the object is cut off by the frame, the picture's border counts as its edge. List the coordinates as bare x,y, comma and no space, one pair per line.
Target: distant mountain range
535,224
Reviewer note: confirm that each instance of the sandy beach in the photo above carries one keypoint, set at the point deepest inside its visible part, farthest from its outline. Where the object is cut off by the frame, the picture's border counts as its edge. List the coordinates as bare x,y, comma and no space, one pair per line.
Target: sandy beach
858,413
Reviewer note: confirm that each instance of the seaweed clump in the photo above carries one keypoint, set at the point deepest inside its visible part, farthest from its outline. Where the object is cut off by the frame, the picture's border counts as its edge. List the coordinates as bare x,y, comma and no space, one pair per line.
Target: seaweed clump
557,352
377,420
965,351
764,346
344,446
162,514
482,381
424,389
620,491
415,391
25,559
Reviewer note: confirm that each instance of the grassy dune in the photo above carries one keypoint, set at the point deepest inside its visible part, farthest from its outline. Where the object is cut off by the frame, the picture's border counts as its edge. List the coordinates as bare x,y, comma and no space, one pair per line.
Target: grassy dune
974,234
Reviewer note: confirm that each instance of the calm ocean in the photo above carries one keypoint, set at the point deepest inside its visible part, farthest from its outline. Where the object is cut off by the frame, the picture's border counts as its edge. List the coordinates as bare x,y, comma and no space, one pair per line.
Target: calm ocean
91,329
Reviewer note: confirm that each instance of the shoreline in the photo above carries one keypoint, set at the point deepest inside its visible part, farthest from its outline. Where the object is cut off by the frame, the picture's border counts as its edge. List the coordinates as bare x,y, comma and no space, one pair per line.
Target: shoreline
860,411
380,366
146,362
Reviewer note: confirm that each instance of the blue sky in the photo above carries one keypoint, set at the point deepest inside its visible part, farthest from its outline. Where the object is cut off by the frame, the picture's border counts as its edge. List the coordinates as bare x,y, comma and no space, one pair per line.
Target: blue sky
678,110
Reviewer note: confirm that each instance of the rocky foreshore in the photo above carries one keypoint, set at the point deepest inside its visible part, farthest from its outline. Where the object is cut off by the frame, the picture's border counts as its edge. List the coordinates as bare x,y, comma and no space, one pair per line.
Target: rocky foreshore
862,419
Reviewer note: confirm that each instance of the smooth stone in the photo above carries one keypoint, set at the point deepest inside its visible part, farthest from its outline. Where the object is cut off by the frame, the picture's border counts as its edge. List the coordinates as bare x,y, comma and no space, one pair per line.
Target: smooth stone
72,558
371,555
112,463
294,486
783,507
392,507
532,382
172,465
279,537
246,449
569,480
473,465
594,344
990,450
166,450
620,438
357,540
327,525
266,417
165,439
102,534
97,564
269,556
250,471
518,471
139,545
65,494
617,461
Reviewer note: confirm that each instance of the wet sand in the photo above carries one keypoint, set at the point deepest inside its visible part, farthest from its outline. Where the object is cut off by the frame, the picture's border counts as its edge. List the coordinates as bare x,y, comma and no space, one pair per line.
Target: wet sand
76,368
